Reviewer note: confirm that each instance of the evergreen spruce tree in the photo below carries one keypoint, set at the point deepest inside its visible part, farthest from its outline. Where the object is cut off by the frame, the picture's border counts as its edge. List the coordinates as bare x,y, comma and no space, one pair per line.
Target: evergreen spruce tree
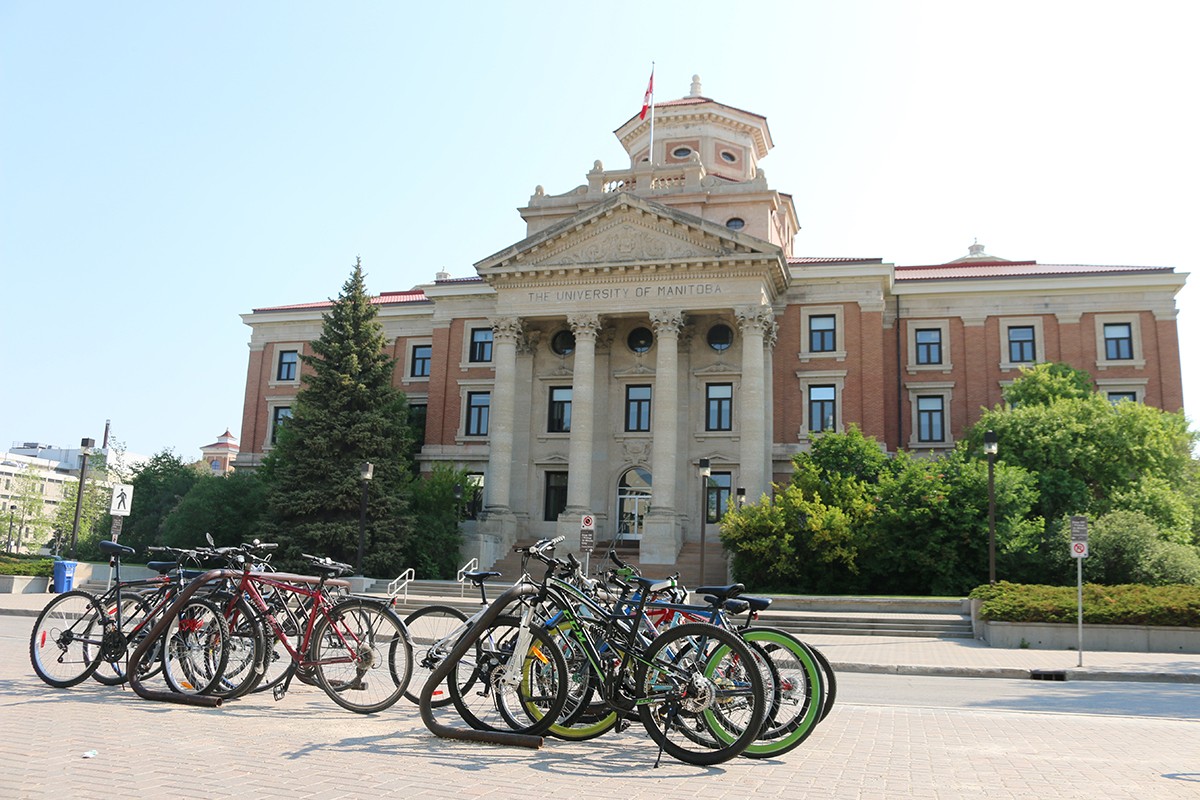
347,412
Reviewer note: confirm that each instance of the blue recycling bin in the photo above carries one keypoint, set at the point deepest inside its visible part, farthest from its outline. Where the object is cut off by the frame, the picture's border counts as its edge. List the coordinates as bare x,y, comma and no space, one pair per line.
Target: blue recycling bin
64,576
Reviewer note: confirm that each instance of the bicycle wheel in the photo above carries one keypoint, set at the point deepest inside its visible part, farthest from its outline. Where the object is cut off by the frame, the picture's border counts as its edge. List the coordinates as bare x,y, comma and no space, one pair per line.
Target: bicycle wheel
361,656
527,700
829,683
64,647
277,660
800,697
115,647
704,679
585,715
247,651
431,630
195,648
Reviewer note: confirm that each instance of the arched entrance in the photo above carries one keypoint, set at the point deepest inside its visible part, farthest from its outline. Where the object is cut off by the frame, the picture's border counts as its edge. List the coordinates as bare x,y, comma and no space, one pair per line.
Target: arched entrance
633,503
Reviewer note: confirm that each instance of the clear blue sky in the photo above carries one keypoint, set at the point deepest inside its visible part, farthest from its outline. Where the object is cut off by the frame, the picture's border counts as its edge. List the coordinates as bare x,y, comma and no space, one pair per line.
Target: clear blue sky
165,167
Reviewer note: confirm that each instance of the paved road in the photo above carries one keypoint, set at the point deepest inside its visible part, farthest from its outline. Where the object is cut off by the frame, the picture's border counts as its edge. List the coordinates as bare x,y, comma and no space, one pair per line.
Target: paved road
305,747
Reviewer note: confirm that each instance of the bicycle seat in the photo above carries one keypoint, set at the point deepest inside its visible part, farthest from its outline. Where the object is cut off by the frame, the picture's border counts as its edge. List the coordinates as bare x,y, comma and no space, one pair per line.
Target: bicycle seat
756,603
114,549
722,593
161,567
479,577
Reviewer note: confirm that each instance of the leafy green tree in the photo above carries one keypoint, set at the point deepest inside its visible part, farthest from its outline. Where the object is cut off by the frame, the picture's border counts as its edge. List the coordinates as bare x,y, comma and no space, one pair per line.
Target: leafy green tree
1126,547
1041,384
158,486
34,525
94,522
228,507
347,412
436,513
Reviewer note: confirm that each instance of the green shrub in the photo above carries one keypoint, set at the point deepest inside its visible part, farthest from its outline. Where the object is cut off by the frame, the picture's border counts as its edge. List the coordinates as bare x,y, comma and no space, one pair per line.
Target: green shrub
36,566
1133,604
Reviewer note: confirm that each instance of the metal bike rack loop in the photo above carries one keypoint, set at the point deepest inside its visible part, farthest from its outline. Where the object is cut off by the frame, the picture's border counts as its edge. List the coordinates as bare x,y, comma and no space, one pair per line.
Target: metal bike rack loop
469,638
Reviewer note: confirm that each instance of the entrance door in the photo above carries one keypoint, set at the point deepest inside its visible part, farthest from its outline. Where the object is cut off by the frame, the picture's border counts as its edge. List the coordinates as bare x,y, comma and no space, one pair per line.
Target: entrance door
633,504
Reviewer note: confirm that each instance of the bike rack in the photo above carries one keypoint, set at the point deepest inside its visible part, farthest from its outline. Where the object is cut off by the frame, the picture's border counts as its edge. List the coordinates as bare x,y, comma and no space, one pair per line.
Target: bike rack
160,627
468,639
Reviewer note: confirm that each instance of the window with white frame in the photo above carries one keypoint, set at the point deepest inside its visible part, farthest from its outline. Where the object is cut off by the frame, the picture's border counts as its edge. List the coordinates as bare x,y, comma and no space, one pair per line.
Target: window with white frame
285,369
929,346
930,414
479,406
1119,341
421,361
481,346
1022,343
823,333
1118,389
718,407
821,405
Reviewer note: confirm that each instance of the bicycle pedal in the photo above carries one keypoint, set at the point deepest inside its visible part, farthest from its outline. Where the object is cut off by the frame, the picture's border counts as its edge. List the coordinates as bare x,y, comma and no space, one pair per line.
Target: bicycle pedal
278,692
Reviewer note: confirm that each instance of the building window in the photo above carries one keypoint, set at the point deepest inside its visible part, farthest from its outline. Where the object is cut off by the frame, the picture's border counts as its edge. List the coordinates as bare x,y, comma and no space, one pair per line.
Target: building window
421,356
720,337
417,414
1022,347
563,343
718,403
720,490
1120,397
822,408
640,340
822,334
929,345
478,406
735,223
289,360
931,418
637,408
481,345
556,495
1118,341
278,415
560,410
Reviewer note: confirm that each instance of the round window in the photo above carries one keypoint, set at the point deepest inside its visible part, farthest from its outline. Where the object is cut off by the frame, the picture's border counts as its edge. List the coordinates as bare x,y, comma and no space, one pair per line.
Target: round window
720,337
681,152
640,340
735,224
563,343
728,156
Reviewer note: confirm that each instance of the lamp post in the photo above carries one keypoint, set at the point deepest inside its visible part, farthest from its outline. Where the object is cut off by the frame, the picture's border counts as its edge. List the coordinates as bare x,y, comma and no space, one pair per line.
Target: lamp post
366,471
85,449
8,544
991,447
705,472
741,497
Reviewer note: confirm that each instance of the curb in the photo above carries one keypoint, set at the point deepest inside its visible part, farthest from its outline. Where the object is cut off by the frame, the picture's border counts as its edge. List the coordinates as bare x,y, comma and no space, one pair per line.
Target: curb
1013,673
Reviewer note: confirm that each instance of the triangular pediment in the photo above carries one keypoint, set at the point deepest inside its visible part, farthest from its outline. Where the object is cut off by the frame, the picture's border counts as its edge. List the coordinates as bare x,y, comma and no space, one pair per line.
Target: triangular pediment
625,229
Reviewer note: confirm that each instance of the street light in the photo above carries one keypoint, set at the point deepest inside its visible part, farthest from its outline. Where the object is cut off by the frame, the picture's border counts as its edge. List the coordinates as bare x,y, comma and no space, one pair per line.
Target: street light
991,447
705,472
85,450
366,471
741,496
8,544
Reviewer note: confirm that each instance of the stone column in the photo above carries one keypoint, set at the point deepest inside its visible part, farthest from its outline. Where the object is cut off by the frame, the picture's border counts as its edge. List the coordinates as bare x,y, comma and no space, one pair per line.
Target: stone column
583,427
498,525
661,535
757,324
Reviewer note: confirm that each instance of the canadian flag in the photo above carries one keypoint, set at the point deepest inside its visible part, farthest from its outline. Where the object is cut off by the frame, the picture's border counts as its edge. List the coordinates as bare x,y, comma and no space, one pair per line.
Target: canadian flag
649,96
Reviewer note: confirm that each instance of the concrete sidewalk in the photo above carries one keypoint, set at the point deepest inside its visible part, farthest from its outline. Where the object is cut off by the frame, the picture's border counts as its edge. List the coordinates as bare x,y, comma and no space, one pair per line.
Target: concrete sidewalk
901,655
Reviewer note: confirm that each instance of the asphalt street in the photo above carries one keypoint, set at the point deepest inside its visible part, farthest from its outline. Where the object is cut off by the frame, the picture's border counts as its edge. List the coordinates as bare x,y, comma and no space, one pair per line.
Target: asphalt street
892,736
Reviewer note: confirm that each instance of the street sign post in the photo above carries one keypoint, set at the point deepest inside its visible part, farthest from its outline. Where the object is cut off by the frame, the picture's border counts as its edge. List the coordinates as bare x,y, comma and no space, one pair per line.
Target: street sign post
1079,551
587,539
122,499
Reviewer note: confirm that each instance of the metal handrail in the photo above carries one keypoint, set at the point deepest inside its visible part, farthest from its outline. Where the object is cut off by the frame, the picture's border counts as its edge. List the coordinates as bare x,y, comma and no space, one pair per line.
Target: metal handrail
402,581
470,566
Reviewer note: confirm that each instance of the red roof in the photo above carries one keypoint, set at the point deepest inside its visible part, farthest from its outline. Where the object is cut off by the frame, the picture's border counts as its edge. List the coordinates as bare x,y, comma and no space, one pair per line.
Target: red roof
698,100
1009,269
834,260
384,299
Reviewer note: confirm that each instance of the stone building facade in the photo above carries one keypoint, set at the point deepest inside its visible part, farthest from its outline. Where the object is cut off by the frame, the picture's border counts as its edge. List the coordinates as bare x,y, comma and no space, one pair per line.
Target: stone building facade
657,316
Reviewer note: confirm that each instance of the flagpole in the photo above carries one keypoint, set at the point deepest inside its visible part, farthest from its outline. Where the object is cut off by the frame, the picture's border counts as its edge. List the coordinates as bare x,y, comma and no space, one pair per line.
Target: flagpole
652,115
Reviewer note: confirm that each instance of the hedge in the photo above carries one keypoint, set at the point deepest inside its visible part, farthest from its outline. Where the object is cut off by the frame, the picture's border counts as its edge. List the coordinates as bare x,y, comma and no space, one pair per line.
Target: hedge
1132,604
37,566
